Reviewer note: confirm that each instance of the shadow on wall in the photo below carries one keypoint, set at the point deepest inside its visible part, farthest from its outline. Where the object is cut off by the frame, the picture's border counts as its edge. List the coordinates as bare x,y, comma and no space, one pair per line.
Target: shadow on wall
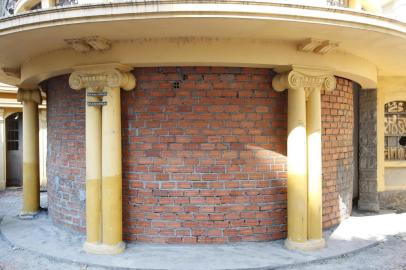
345,174
338,156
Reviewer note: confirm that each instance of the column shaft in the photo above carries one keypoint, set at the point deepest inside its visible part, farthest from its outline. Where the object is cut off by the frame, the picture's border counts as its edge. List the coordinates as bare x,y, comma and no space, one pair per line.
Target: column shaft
30,158
112,170
297,166
314,159
93,172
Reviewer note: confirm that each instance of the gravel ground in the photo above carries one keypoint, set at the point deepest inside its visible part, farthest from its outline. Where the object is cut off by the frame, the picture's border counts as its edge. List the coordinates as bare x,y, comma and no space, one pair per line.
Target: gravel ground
13,258
389,254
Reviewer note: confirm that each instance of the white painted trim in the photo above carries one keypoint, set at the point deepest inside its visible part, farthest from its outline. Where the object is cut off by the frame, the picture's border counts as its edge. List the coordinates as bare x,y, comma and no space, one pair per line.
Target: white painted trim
5,88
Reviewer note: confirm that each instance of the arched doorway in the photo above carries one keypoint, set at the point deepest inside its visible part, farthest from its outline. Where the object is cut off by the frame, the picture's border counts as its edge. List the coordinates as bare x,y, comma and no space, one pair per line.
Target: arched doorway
14,149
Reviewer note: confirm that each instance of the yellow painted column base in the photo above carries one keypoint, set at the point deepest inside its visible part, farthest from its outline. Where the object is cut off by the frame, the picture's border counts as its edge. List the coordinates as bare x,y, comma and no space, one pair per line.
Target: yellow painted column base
28,215
308,245
103,249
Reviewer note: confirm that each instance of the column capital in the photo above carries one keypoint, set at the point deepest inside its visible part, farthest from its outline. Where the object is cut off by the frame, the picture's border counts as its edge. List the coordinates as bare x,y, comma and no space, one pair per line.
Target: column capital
97,77
304,78
29,95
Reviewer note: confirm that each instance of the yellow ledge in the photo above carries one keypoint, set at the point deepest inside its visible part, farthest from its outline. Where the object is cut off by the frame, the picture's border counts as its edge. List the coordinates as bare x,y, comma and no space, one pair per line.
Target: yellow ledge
395,164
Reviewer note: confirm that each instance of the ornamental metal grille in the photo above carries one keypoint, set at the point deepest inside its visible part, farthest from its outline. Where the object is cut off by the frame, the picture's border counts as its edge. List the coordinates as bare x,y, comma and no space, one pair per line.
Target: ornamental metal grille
12,132
395,130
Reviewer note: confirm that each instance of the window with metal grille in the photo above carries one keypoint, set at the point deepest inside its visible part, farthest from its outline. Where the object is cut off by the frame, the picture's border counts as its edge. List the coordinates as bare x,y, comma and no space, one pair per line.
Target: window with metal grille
12,132
395,130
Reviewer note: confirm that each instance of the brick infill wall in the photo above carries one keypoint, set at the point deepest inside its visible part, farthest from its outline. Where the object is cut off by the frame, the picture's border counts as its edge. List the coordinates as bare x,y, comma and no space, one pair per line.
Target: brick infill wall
204,155
66,168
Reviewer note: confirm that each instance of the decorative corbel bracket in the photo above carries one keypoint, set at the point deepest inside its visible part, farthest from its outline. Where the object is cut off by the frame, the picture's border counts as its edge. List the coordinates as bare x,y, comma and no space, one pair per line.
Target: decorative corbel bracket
10,75
304,78
317,46
88,44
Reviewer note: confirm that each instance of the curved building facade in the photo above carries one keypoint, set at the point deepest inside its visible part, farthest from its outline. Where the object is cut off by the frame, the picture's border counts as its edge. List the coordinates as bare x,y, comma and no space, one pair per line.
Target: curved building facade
208,122
204,155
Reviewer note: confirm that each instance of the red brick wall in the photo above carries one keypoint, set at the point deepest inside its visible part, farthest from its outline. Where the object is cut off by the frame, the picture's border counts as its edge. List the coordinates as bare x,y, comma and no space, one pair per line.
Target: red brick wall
202,163
206,162
338,172
66,154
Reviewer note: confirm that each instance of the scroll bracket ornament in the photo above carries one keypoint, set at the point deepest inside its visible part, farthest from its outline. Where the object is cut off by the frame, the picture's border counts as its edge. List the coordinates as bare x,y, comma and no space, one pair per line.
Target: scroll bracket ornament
306,79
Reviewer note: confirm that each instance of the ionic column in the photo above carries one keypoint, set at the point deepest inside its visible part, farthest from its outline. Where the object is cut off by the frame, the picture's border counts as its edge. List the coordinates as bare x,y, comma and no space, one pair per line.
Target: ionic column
103,153
297,157
327,82
31,185
304,154
112,165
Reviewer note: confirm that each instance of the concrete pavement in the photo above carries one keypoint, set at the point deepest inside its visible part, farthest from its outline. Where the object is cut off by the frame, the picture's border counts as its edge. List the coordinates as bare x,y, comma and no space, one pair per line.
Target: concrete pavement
353,235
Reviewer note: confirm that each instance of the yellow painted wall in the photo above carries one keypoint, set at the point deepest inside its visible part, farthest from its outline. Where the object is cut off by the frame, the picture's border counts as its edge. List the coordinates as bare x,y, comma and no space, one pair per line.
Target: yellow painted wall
389,89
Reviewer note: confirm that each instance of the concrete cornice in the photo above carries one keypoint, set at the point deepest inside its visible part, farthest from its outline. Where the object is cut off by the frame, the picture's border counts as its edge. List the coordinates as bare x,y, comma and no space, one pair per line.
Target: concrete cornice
268,32
196,8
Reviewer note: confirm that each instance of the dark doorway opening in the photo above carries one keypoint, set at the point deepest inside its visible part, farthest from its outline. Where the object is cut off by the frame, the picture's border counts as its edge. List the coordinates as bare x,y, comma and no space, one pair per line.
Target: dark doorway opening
14,150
